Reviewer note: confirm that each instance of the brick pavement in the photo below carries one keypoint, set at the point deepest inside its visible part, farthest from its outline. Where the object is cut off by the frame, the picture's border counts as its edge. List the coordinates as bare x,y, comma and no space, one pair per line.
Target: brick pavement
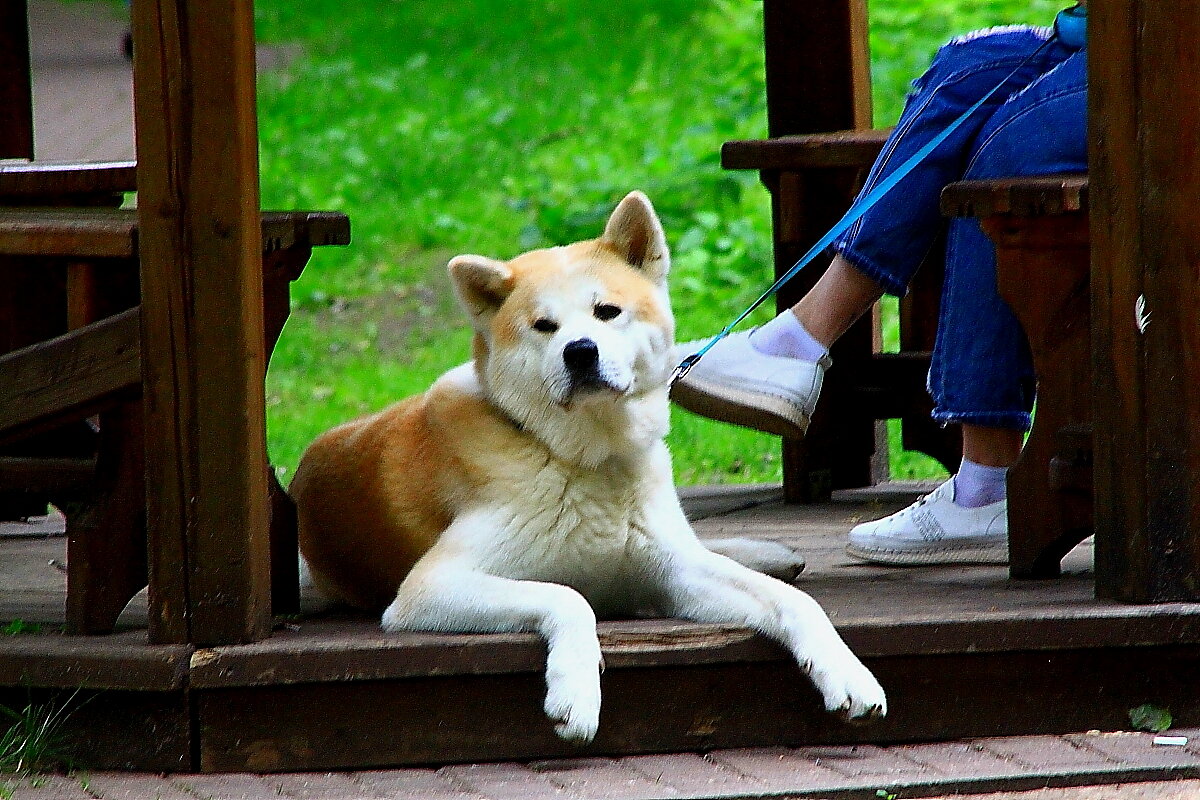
1086,766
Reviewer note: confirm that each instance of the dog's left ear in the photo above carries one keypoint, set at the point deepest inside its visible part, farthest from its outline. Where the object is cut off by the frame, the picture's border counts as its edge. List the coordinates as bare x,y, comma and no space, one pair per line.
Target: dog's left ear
637,235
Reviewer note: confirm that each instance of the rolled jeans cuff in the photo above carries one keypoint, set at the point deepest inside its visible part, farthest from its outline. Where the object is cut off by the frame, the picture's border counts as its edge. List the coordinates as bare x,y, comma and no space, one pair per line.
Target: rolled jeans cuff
1011,420
866,266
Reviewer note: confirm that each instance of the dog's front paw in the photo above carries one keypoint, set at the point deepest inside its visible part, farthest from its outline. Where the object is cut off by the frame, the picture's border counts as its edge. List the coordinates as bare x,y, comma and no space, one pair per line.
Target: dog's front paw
849,689
573,703
575,713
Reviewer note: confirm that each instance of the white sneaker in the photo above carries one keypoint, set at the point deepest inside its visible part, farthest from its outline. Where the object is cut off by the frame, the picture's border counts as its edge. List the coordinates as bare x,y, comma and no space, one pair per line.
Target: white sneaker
934,530
736,383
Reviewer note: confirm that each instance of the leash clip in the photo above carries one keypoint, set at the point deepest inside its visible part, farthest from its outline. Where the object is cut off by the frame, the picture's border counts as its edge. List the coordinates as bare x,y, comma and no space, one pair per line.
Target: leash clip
684,368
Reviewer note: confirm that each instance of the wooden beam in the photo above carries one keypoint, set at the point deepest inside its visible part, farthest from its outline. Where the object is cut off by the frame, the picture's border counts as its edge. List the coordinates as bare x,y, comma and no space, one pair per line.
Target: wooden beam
818,66
1145,169
16,90
203,360
71,376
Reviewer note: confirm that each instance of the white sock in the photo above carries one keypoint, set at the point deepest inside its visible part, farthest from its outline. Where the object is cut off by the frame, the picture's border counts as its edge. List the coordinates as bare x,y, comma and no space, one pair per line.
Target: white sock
784,336
976,485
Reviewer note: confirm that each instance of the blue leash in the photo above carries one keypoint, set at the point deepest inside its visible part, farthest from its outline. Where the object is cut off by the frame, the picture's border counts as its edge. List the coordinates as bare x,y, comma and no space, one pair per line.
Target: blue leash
864,203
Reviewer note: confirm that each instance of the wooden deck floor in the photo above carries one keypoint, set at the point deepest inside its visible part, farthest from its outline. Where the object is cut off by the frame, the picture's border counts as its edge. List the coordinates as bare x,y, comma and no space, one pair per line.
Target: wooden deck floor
962,651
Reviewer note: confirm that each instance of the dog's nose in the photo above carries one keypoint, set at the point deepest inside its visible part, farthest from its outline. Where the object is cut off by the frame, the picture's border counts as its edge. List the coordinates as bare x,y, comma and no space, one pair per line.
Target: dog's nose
581,356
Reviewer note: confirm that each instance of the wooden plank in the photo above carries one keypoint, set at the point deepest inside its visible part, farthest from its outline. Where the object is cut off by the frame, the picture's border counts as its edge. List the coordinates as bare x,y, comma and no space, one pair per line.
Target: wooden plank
71,376
853,148
123,661
204,361
112,233
349,652
1145,244
1038,196
16,89
45,475
99,233
440,719
23,181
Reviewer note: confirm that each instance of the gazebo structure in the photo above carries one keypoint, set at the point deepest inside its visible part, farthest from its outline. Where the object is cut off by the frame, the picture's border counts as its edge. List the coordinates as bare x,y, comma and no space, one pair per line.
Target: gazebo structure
156,325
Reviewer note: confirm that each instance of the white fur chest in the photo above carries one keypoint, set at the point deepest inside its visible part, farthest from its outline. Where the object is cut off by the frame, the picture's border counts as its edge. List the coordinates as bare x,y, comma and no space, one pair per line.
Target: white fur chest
579,527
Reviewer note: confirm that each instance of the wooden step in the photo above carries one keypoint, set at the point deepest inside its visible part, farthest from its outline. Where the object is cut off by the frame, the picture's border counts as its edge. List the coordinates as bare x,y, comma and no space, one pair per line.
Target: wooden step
112,233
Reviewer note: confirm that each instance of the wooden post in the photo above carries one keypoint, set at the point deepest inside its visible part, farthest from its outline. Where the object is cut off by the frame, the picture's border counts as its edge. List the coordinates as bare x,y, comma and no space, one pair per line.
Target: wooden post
202,320
1145,177
818,79
16,93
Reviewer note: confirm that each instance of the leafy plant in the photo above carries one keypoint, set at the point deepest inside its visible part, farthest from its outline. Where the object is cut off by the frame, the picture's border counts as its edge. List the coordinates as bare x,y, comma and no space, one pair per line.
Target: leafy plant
19,626
1150,718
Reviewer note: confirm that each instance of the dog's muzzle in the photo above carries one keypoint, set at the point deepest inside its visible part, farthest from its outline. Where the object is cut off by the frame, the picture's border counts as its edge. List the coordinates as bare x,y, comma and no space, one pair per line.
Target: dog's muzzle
582,360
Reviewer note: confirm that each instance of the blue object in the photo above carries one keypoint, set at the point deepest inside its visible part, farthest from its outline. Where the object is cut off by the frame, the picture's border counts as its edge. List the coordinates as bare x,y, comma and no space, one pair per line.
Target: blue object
1071,26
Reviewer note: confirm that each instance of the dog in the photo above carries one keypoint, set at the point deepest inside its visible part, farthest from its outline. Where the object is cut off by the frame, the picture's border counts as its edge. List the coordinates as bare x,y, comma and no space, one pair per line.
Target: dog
531,488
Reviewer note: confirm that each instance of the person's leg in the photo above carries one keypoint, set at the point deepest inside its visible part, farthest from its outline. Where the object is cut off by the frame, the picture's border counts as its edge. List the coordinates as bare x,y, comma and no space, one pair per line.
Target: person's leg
753,378
982,376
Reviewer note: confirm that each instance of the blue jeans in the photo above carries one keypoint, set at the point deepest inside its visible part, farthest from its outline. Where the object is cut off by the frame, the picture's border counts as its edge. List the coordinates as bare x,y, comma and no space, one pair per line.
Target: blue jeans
981,372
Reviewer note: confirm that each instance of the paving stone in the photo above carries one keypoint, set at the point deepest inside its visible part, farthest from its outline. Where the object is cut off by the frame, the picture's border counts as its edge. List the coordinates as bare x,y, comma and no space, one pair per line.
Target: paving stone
601,778
134,786
1158,790
961,760
502,781
779,768
322,786
45,787
867,761
1136,749
692,775
402,784
231,786
1046,752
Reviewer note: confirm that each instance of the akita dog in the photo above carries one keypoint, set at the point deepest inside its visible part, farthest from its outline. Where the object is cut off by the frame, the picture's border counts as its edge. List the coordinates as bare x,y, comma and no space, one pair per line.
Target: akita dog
531,489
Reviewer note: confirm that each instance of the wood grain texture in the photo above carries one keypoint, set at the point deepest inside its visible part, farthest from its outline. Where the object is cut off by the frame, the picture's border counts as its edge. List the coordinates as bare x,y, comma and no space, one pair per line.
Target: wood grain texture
852,148
818,67
1042,273
71,376
1146,243
204,356
1039,196
64,183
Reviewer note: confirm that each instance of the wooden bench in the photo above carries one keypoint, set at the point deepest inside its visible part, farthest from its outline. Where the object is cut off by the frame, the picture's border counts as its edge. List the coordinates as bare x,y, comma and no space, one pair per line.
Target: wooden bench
1040,229
69,311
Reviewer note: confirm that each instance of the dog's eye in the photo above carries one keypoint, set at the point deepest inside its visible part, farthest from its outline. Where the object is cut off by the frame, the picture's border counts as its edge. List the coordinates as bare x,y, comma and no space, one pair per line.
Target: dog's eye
606,311
545,325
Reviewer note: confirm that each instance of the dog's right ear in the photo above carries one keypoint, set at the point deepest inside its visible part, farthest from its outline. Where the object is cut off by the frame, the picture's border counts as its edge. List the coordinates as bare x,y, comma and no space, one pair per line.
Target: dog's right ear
481,284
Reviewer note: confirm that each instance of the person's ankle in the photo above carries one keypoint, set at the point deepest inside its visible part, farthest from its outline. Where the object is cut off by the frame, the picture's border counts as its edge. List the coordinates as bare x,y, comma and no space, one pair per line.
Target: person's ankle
786,337
976,485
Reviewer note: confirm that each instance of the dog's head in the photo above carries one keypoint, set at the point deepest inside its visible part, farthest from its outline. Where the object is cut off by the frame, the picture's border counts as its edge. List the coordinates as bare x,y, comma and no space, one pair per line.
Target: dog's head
583,330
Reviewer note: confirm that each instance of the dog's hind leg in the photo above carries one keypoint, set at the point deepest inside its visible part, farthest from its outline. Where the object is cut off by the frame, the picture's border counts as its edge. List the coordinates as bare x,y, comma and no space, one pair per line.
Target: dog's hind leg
770,558
450,598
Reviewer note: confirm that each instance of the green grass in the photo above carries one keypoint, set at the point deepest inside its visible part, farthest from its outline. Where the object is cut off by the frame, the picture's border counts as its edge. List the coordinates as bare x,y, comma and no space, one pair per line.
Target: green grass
32,739
487,127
